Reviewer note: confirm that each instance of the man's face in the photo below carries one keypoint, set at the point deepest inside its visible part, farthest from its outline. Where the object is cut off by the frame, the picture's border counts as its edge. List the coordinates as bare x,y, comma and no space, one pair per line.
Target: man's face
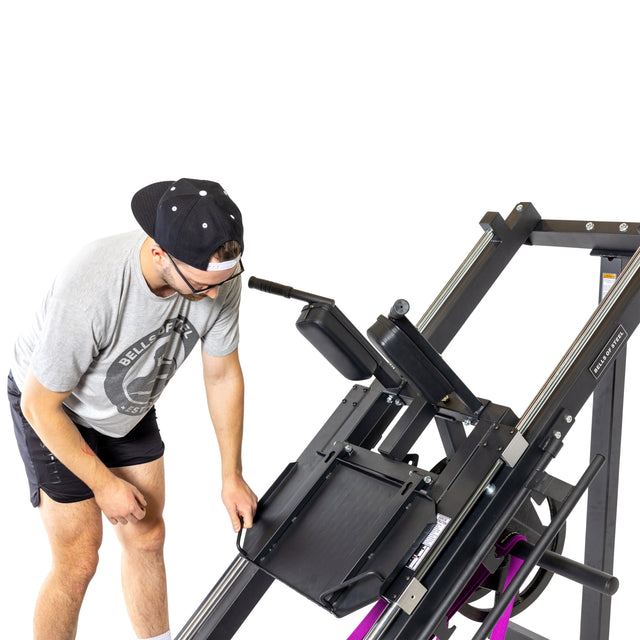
182,278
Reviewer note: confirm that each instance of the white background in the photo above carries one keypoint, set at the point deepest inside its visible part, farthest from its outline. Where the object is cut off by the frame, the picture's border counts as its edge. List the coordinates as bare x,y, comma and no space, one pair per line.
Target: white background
363,142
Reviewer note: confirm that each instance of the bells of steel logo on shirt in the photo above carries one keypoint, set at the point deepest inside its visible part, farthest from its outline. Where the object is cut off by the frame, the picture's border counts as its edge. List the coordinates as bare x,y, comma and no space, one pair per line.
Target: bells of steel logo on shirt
140,373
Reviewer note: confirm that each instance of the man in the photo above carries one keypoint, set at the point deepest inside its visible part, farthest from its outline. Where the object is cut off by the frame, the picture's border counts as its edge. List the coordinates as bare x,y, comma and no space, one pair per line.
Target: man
115,326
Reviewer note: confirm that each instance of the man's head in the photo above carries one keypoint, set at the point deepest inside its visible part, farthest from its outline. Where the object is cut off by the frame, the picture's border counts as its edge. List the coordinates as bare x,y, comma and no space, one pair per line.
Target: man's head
192,220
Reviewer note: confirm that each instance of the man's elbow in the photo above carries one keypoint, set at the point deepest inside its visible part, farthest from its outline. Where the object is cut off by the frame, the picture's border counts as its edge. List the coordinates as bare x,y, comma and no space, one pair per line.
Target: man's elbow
29,407
37,401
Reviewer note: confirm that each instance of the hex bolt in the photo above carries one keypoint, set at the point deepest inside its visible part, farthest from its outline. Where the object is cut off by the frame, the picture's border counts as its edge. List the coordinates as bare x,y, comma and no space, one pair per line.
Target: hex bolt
568,419
624,227
519,207
348,449
590,226
557,435
428,479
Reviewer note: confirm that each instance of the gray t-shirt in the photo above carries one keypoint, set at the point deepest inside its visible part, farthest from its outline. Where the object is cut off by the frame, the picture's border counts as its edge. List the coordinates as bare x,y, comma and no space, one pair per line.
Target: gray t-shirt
104,334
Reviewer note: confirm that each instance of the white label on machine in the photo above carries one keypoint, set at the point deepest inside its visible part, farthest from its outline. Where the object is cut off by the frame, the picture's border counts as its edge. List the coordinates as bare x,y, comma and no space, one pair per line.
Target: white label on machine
608,280
441,522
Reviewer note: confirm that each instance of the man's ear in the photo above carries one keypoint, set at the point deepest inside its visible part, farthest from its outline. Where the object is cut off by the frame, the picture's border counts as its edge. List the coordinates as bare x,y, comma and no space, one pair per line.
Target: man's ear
157,252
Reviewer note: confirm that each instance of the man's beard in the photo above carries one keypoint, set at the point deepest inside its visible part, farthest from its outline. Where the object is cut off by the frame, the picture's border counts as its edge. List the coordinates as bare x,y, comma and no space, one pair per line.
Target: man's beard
193,297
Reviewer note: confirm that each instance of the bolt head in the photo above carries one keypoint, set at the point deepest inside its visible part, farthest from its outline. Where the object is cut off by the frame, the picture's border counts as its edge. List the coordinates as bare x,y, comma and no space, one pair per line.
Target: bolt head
519,207
568,419
590,226
624,227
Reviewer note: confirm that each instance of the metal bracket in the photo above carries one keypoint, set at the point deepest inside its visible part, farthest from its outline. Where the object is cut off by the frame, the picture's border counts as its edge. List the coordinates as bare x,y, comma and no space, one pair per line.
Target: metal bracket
515,449
412,596
495,223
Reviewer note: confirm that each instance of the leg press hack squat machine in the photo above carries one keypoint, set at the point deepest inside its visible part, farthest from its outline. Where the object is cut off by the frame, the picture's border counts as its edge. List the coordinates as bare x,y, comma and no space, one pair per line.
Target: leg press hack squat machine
348,527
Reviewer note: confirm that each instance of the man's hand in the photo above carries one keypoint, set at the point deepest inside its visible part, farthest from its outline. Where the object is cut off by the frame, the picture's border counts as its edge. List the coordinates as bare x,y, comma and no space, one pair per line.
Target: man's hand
120,501
240,502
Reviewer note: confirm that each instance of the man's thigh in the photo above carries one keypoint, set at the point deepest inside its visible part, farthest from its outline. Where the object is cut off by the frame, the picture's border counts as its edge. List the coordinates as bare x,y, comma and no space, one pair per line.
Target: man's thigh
148,478
74,528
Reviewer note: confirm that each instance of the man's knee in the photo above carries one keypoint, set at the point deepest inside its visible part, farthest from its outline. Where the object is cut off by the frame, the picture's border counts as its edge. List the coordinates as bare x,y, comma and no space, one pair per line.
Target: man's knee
144,536
76,565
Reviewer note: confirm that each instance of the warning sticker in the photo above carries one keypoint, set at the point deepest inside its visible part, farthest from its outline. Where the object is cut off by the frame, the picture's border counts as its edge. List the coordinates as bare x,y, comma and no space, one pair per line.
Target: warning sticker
608,280
441,522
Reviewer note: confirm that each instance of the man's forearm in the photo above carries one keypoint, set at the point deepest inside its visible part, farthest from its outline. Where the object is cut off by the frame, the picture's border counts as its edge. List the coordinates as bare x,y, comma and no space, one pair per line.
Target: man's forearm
225,397
226,407
44,412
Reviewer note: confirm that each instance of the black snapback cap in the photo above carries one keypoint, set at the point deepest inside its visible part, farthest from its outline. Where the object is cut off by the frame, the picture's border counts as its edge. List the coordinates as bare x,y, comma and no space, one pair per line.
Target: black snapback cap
190,219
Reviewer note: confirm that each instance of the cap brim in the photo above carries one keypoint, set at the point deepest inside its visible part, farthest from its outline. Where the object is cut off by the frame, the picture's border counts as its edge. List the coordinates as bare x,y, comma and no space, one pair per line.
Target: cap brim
144,205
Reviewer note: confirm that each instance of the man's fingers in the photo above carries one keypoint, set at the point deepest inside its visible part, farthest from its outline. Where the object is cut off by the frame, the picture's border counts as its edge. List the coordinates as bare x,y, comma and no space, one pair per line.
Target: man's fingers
247,518
235,521
139,512
140,498
241,504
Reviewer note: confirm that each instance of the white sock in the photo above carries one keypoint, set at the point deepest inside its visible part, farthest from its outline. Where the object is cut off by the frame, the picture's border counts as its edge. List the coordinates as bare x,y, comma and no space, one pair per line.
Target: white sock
164,636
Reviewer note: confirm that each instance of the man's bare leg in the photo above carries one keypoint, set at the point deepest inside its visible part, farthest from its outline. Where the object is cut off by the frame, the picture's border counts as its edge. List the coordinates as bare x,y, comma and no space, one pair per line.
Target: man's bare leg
75,534
144,581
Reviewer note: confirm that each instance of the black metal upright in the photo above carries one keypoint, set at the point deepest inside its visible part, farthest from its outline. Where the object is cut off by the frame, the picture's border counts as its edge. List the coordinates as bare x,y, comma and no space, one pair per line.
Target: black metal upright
606,436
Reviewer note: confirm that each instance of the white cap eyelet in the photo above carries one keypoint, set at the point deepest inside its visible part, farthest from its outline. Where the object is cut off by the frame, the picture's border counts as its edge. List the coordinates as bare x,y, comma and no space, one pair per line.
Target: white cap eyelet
203,193
174,208
204,225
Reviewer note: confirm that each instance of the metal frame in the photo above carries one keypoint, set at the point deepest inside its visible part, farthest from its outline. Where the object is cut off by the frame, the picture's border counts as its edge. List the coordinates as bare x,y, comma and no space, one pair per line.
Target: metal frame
478,479
606,436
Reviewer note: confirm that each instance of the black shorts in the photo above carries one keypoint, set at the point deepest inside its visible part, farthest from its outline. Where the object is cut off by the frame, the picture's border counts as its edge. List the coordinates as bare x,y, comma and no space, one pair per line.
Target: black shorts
44,471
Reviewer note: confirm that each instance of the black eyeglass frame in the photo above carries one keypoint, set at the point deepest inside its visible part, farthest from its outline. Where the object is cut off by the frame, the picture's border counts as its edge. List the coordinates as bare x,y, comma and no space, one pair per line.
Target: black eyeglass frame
210,287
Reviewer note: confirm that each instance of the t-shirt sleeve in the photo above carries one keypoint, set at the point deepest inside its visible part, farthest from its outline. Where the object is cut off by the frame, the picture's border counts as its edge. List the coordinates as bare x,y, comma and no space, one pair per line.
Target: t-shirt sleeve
224,336
67,346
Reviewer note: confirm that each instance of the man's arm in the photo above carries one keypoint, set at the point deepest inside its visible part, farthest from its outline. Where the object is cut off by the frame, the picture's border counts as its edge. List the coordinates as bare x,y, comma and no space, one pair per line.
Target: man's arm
120,501
224,385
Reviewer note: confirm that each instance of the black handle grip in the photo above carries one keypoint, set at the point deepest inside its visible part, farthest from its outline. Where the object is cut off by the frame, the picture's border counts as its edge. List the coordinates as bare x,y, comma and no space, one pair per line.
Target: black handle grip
288,292
270,287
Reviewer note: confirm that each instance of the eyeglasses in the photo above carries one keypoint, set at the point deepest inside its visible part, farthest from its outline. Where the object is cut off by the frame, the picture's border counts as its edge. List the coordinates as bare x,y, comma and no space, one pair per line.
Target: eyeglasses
204,289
